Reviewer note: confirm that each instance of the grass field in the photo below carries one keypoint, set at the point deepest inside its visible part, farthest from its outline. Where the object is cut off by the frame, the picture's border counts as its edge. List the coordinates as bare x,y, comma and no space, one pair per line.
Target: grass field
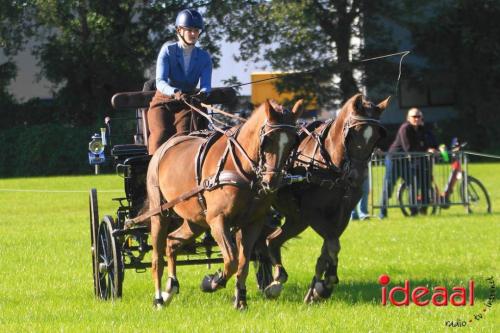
46,273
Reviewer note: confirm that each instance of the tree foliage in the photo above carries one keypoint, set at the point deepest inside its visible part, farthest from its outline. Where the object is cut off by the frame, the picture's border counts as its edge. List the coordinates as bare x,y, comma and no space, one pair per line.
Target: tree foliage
461,38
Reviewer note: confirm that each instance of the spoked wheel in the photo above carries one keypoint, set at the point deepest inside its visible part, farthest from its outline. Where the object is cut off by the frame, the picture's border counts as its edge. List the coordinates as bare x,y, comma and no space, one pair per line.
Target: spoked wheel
404,200
94,225
476,197
109,262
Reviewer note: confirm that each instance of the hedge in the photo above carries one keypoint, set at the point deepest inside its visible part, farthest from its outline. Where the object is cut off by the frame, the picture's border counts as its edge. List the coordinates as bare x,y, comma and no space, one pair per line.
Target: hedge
46,149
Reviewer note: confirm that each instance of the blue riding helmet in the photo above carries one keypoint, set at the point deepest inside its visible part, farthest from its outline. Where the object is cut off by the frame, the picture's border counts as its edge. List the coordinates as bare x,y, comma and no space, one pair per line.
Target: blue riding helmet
189,18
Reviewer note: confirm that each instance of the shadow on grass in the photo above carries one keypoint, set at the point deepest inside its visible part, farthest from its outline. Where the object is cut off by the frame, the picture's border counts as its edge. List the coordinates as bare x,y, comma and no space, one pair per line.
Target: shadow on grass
355,292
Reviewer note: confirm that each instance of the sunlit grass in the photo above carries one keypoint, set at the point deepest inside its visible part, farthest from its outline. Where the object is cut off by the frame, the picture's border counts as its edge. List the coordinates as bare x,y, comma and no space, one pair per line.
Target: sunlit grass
46,274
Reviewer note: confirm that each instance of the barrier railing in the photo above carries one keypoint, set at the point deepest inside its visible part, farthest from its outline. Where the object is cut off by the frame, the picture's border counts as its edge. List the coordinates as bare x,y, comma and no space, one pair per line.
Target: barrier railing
423,183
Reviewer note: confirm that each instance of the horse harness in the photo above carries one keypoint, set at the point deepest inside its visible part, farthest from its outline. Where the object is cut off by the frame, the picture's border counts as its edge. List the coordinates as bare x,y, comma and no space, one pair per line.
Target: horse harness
223,177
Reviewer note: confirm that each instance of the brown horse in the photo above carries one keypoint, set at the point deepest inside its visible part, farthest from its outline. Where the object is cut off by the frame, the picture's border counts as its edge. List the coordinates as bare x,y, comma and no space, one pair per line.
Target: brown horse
238,173
333,159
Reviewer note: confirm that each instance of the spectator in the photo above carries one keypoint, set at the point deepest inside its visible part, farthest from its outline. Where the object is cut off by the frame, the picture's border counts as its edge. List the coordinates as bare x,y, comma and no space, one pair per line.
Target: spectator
411,137
360,212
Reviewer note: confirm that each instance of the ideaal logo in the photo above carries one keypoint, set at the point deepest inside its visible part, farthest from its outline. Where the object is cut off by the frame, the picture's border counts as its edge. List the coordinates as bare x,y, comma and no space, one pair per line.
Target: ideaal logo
457,296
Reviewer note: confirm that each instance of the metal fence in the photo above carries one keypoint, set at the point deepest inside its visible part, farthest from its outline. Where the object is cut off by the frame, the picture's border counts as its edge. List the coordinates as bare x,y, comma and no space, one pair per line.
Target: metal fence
417,182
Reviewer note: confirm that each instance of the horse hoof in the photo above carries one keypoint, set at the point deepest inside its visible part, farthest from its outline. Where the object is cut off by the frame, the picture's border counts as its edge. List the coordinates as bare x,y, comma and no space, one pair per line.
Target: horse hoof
273,290
206,284
158,303
241,305
213,282
167,296
321,291
240,298
172,289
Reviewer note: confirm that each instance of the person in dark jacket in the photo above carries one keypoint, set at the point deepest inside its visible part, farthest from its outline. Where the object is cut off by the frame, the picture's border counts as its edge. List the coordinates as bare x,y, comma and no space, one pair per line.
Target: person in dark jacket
179,69
411,137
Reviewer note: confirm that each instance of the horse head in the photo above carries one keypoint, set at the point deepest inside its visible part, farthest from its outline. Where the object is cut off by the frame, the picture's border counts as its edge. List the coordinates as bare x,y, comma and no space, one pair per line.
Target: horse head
277,138
360,128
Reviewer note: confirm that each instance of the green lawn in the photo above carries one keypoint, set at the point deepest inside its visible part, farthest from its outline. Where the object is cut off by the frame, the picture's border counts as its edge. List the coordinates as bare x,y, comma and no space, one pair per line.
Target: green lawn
46,273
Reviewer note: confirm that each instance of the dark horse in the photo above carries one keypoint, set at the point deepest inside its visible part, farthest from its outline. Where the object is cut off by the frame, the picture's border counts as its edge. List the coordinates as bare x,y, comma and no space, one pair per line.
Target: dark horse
333,159
223,183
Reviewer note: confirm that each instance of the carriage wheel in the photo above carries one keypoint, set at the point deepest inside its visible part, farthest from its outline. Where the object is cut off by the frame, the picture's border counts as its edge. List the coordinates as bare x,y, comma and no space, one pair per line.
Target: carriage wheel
263,271
94,224
404,200
109,262
477,199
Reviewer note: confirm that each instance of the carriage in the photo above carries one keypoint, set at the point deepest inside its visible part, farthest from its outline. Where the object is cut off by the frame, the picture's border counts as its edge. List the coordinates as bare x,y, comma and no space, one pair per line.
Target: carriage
117,247
329,185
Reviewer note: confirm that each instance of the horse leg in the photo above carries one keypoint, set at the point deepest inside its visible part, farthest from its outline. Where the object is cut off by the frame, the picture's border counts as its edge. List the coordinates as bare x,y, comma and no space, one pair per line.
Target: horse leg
330,229
325,277
292,227
221,234
246,238
175,240
158,239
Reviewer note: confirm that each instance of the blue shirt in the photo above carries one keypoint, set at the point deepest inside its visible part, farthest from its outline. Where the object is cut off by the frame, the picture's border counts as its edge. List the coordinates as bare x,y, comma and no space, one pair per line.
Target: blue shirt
170,74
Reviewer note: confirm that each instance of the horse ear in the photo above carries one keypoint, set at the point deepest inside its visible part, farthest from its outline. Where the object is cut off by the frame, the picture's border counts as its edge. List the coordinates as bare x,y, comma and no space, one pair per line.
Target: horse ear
358,102
297,109
268,108
384,104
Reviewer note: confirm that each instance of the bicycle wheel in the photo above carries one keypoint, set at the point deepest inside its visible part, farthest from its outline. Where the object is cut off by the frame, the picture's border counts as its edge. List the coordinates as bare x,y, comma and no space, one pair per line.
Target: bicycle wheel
405,204
404,199
476,198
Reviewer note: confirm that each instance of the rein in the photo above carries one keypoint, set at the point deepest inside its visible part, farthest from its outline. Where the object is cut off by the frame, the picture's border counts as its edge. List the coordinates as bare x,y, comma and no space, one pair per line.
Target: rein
312,72
222,177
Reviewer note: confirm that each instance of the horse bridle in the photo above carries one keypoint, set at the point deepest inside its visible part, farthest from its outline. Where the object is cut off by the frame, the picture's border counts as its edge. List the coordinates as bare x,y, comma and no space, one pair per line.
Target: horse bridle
261,167
343,170
353,121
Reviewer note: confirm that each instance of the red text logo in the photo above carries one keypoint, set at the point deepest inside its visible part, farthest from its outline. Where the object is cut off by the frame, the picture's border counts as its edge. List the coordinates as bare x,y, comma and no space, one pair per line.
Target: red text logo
422,296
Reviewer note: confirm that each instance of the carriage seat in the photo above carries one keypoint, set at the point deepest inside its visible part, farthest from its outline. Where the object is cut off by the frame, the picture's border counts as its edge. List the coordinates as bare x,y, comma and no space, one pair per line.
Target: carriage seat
122,152
141,99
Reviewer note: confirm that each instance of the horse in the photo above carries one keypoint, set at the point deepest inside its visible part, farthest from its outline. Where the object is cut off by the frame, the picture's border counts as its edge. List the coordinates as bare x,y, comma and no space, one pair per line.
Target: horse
333,159
225,182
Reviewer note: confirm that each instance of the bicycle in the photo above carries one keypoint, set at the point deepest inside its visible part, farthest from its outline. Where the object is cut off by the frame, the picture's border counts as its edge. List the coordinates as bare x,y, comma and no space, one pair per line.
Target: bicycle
473,194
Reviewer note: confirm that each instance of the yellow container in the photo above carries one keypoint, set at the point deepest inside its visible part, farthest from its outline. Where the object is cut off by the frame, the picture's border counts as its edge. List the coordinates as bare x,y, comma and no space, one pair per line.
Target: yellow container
267,90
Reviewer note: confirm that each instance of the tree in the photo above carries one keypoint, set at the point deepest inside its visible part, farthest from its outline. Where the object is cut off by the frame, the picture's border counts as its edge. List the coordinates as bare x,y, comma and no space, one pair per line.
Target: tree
311,36
7,74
